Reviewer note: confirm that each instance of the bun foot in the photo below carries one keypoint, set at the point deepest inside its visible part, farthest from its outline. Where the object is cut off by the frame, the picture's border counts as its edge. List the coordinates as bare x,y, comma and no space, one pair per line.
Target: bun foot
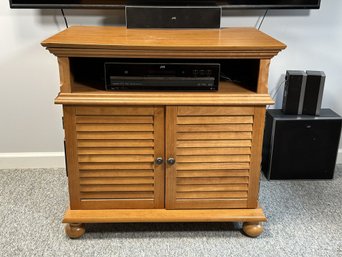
74,230
252,229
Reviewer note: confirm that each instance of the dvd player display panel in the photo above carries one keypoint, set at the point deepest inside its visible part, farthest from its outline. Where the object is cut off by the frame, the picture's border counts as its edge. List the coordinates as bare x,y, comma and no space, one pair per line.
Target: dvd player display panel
162,76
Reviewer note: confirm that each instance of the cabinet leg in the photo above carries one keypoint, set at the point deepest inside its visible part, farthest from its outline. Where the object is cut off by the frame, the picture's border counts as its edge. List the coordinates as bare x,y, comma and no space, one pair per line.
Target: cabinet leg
74,230
252,229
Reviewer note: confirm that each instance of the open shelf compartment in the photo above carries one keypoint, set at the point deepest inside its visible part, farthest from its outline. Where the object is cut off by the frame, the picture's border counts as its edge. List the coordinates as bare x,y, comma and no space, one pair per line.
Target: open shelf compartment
236,75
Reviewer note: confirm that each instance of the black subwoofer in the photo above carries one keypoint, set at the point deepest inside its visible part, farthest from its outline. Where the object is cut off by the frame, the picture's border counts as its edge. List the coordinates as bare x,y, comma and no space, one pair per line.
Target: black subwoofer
300,146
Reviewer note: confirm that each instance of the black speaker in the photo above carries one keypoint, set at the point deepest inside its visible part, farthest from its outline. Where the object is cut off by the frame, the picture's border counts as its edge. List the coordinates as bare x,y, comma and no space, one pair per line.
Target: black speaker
313,92
300,146
173,16
295,82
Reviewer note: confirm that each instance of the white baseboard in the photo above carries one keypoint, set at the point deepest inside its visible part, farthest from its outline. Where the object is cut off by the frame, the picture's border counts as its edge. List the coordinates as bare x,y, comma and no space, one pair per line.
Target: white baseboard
339,157
29,160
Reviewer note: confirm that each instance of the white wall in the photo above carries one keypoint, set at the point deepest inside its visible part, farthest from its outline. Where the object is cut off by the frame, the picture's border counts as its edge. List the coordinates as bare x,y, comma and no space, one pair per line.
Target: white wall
31,123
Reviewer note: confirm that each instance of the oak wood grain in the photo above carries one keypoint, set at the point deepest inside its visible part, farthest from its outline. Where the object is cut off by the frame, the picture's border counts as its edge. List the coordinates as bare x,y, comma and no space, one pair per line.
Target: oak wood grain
115,151
212,180
115,110
214,120
229,93
114,127
159,151
211,195
115,166
113,143
116,158
116,173
212,203
119,41
215,128
170,146
214,110
114,119
114,135
69,123
117,195
213,158
65,76
258,133
117,181
263,76
214,143
213,173
162,215
98,204
214,135
213,188
119,188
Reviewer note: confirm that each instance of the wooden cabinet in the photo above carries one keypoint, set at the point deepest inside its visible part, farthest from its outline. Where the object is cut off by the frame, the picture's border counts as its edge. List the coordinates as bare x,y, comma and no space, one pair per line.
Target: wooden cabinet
163,156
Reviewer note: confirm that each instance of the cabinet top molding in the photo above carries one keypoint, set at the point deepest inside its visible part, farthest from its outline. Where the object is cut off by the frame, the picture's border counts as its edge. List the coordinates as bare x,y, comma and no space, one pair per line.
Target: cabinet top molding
122,42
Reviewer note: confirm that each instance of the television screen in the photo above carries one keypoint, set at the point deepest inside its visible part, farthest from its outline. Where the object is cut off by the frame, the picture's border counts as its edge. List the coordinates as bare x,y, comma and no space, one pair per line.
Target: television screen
226,4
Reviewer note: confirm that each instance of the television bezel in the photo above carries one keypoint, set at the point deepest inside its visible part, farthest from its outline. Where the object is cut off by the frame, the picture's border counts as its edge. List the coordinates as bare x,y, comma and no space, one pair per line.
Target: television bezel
124,3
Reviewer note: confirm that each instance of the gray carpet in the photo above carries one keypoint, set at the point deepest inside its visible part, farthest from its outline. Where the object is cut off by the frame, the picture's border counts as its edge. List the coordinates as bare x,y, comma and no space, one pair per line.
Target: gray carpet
305,219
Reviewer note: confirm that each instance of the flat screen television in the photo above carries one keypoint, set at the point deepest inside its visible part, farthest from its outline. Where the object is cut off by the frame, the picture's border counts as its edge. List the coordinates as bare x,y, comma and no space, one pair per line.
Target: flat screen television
108,4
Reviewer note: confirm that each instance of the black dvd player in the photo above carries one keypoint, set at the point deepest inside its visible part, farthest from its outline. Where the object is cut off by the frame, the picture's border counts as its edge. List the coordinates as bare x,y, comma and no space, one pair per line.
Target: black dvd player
162,76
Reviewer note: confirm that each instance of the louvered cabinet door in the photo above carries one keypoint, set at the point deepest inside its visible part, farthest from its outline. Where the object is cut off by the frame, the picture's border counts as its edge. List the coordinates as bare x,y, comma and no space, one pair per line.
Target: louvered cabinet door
111,157
213,148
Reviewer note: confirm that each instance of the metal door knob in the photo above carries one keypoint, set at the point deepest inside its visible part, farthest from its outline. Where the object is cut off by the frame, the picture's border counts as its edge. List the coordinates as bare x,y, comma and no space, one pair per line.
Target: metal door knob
171,161
159,160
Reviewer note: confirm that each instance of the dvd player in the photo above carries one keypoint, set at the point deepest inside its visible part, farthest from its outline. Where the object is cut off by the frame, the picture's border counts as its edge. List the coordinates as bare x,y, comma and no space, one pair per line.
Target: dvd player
162,76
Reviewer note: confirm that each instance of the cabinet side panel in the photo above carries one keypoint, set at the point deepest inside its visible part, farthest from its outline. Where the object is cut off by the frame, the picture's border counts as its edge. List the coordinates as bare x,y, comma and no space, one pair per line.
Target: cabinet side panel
257,140
71,152
263,76
65,75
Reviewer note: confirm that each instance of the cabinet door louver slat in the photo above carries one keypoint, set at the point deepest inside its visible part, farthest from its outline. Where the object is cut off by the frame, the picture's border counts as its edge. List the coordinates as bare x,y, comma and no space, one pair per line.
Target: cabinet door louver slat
116,173
116,149
212,149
